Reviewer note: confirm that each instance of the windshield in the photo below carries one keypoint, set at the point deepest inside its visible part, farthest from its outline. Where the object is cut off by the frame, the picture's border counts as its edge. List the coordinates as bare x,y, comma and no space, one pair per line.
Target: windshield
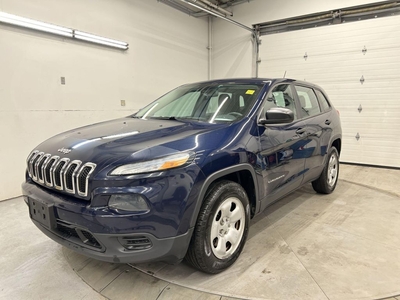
201,102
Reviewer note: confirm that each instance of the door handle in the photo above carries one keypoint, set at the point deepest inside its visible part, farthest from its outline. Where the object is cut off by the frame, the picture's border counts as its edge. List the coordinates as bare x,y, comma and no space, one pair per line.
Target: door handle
328,122
300,131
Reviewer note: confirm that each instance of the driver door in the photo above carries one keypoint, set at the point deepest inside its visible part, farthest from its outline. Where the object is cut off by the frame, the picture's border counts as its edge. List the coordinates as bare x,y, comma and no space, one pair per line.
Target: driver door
281,147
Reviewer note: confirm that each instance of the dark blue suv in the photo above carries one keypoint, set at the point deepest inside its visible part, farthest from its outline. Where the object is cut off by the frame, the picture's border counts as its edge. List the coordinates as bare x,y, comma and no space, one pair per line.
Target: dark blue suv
182,177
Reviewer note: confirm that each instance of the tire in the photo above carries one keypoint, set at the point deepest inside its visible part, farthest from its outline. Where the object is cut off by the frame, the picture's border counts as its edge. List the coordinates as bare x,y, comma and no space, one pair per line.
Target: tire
326,183
221,228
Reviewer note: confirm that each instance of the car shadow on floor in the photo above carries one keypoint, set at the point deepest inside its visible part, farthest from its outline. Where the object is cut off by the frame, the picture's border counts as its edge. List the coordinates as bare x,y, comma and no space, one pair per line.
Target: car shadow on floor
303,203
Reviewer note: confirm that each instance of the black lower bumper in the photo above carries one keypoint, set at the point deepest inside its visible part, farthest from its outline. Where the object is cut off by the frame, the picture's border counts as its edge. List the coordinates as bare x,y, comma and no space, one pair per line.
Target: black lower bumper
171,250
63,223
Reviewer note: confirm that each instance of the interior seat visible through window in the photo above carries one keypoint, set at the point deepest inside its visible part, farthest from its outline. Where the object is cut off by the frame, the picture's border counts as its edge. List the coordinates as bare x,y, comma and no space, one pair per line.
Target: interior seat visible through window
229,105
308,101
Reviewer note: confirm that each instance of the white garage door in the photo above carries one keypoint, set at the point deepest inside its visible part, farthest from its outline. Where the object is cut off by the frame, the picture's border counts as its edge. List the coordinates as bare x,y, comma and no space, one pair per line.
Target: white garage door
332,57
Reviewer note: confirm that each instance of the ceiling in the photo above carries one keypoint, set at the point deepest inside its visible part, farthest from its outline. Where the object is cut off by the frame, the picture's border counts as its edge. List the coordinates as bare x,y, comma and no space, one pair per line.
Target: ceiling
199,8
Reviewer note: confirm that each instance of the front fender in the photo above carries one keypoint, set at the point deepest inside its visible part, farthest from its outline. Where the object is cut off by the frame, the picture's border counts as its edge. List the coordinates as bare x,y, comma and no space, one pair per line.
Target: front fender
215,176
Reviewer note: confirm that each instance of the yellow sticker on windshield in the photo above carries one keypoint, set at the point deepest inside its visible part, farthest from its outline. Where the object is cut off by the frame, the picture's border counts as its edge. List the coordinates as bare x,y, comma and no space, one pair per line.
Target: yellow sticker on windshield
250,92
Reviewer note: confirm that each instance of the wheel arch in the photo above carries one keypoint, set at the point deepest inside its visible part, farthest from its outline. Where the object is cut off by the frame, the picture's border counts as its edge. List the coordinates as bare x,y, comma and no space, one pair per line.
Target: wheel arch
239,174
337,143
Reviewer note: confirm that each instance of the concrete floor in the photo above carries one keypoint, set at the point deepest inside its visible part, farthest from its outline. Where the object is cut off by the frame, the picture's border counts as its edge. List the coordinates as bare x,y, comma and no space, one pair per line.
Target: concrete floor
307,246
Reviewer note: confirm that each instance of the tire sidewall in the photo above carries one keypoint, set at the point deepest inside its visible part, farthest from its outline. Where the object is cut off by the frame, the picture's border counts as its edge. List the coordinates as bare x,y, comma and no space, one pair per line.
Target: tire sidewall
332,151
228,190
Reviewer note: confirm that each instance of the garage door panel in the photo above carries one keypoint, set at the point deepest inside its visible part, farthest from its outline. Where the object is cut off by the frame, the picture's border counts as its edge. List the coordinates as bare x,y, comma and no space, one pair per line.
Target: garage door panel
351,37
384,102
297,52
353,149
368,150
297,49
338,37
370,62
385,125
374,99
377,68
376,134
334,60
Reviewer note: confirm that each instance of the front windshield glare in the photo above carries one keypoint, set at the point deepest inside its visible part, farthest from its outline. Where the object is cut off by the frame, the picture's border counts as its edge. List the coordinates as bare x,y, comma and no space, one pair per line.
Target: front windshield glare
213,104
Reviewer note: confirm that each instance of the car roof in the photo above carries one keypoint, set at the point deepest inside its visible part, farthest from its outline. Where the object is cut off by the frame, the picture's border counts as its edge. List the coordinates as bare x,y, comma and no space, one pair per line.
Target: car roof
257,81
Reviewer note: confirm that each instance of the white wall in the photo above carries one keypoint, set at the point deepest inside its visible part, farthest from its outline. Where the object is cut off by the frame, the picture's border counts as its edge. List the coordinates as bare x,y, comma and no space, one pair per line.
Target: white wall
167,48
232,46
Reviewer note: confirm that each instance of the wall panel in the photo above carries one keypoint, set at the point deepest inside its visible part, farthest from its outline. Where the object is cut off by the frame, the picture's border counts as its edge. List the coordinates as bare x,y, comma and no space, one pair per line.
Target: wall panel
167,48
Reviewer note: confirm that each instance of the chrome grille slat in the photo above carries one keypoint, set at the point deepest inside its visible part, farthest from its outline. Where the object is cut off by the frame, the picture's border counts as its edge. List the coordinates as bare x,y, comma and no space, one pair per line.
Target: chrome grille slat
35,165
38,167
32,163
82,179
30,160
60,173
48,168
70,175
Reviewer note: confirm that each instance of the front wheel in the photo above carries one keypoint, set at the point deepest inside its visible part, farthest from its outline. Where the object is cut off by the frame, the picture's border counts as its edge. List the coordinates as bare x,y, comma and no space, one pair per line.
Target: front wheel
221,228
327,181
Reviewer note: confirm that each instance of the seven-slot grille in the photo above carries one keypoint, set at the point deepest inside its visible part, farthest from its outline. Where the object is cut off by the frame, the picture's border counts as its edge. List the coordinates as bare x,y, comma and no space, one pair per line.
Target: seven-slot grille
60,173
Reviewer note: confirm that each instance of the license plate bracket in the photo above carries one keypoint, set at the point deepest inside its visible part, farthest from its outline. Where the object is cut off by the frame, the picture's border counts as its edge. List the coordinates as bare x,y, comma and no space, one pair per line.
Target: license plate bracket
42,213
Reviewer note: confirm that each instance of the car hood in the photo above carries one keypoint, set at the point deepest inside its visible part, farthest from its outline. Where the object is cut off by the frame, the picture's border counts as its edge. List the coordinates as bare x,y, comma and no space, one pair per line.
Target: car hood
135,139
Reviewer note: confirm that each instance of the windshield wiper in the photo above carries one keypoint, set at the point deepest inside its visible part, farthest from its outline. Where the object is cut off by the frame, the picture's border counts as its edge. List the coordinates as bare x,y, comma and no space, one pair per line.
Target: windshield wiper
173,118
164,118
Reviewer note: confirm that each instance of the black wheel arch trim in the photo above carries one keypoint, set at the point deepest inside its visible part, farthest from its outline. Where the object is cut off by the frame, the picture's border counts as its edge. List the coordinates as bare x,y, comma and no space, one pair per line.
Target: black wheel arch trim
221,173
334,138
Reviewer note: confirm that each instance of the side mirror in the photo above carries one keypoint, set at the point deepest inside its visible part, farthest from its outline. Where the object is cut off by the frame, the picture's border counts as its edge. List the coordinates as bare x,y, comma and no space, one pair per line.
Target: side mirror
278,115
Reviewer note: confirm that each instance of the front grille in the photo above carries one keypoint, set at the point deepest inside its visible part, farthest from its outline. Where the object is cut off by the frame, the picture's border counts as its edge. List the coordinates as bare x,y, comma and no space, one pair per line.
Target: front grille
61,174
76,235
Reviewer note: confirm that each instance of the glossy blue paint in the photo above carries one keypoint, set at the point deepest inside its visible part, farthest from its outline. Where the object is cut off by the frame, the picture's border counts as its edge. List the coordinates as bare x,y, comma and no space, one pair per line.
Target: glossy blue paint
280,160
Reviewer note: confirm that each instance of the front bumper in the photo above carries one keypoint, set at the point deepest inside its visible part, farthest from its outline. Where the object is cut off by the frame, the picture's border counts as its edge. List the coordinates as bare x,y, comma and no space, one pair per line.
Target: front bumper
76,226
170,250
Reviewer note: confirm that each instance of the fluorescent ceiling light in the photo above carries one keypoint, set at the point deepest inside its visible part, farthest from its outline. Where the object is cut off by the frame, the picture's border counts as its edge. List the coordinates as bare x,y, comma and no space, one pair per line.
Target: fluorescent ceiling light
99,40
59,30
92,36
32,24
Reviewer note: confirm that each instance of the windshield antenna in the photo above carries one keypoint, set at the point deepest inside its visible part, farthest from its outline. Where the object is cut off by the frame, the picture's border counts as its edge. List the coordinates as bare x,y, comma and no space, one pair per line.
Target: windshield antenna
284,75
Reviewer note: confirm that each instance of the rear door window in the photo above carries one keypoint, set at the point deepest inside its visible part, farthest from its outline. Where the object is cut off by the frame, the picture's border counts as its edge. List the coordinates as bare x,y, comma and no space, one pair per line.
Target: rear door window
308,101
323,101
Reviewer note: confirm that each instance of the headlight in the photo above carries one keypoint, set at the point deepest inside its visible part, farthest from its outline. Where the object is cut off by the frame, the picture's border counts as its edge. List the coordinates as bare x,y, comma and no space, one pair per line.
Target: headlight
128,203
160,164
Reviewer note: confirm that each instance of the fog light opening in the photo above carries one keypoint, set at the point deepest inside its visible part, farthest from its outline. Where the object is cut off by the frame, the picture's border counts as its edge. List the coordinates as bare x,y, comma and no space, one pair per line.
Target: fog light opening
128,203
134,243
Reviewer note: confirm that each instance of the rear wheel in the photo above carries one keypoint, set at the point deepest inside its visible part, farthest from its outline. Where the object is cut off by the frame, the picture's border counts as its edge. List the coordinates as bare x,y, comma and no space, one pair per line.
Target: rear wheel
326,183
221,228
